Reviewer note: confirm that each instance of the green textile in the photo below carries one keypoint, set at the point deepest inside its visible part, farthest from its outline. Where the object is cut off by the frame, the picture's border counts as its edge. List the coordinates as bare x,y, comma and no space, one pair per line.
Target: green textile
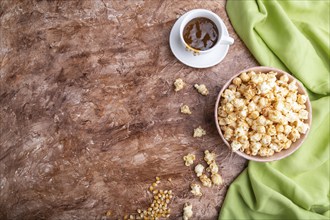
293,36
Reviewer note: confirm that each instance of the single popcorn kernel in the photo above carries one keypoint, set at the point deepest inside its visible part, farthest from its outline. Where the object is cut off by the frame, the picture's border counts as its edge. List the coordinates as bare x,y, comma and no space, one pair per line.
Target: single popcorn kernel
199,132
178,84
209,157
266,116
245,77
205,180
213,168
216,179
189,159
196,189
185,110
187,211
237,81
201,89
199,169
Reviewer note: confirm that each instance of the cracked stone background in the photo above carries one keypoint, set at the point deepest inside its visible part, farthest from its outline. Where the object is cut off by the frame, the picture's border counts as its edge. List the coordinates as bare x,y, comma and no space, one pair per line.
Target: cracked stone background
88,112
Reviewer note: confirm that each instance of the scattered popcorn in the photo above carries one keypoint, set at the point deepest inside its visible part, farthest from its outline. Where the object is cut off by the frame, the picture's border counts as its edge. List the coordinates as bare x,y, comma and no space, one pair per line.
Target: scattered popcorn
185,110
196,189
205,180
213,168
199,132
216,179
199,169
201,89
189,159
178,84
187,211
209,157
260,113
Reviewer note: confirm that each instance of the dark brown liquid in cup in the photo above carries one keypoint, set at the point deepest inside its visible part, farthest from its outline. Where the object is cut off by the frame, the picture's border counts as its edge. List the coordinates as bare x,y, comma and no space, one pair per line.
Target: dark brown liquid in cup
200,33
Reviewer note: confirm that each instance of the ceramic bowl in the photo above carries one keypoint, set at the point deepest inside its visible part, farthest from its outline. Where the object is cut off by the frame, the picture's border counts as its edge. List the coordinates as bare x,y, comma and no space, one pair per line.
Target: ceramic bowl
284,153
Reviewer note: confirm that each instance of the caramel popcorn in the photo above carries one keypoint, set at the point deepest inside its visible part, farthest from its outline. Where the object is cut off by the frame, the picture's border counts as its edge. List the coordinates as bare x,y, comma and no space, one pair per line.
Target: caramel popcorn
261,114
187,211
201,89
216,179
199,169
189,159
185,110
209,157
199,132
196,189
206,181
178,84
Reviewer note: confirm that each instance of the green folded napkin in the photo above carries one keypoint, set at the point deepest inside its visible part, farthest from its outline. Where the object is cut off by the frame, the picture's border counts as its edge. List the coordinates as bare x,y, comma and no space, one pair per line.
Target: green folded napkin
293,36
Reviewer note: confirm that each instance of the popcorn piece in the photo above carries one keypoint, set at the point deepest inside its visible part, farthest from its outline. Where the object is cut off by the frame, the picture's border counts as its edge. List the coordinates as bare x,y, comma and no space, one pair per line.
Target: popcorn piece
301,99
266,140
261,120
303,114
201,89
256,137
271,130
279,128
189,159
235,145
254,115
199,169
178,84
245,77
213,168
232,87
294,135
205,180
228,133
216,179
187,211
264,88
237,81
292,86
287,129
196,189
199,132
229,95
209,157
229,108
238,103
284,78
287,144
243,139
302,127
255,146
185,110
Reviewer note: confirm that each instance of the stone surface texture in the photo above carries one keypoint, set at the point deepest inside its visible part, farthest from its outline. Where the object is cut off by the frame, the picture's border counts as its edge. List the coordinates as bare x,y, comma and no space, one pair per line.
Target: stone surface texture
88,113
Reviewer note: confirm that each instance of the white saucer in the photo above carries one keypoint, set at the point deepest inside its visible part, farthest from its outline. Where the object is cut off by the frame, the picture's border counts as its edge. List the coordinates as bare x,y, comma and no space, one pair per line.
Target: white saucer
198,61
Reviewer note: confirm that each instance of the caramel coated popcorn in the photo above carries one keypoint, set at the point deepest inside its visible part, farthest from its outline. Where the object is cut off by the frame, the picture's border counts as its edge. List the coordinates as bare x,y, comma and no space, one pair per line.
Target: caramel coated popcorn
201,89
185,110
199,132
187,211
261,114
178,84
189,159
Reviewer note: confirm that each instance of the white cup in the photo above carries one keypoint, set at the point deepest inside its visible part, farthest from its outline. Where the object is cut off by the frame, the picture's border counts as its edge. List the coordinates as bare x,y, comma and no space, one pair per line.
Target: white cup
196,13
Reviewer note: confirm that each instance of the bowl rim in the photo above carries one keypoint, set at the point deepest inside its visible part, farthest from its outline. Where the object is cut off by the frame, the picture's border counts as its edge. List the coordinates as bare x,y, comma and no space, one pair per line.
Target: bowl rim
283,153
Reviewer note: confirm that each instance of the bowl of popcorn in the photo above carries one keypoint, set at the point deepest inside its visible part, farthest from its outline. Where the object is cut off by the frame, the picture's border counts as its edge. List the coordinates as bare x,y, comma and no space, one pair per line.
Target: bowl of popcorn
263,114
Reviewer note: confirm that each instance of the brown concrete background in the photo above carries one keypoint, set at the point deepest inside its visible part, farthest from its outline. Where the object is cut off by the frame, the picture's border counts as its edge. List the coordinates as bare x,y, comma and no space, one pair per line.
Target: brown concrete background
88,113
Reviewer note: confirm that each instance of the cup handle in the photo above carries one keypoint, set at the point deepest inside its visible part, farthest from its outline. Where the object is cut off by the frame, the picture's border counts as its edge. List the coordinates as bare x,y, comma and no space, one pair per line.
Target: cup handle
226,40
